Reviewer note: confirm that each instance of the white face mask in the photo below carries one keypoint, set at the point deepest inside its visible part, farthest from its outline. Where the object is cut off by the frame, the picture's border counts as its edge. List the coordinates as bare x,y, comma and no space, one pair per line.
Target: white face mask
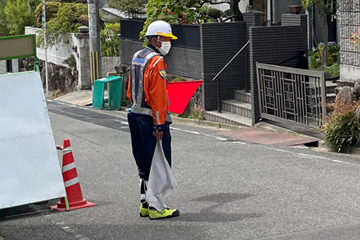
165,48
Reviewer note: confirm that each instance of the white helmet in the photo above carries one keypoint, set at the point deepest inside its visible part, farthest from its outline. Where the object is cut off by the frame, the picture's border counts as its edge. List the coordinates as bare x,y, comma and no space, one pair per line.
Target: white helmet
160,28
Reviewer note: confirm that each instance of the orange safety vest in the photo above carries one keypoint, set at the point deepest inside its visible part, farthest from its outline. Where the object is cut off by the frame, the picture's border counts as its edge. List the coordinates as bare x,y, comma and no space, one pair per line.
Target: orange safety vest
147,86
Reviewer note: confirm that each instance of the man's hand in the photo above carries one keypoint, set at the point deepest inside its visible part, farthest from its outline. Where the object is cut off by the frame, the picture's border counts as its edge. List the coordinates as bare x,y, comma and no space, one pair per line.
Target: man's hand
158,134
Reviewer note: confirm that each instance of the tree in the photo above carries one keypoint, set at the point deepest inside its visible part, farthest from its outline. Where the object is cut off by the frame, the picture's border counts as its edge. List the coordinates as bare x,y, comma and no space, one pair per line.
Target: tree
130,7
69,17
18,15
325,8
236,14
188,12
4,30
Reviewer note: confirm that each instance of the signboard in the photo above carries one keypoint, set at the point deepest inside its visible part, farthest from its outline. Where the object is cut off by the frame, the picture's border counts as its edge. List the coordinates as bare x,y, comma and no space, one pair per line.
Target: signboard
17,47
29,166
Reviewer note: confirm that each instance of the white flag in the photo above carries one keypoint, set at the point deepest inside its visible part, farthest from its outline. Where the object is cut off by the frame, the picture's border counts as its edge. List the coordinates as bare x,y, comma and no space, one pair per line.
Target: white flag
161,179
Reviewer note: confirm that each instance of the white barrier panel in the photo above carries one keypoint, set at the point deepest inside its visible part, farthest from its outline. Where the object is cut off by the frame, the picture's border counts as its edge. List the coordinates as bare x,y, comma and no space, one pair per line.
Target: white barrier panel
29,166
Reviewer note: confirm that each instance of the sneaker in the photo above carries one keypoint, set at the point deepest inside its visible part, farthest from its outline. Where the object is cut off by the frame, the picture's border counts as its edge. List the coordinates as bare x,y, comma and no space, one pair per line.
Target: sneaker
144,210
165,213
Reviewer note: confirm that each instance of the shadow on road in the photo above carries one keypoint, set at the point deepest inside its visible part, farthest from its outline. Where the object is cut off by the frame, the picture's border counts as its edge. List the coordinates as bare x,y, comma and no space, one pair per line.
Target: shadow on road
211,216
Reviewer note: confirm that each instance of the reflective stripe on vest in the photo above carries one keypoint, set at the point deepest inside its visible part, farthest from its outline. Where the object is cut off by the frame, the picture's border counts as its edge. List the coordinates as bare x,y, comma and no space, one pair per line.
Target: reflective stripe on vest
138,67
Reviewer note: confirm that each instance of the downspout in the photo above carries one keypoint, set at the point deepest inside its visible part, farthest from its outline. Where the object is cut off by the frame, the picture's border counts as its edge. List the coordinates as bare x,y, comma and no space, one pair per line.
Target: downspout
314,25
273,11
268,12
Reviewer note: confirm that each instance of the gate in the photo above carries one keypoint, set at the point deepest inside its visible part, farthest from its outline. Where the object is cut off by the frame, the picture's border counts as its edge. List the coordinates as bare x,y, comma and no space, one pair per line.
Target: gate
291,95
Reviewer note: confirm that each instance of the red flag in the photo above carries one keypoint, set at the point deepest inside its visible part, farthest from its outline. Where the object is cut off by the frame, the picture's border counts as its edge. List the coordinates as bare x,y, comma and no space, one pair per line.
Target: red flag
180,94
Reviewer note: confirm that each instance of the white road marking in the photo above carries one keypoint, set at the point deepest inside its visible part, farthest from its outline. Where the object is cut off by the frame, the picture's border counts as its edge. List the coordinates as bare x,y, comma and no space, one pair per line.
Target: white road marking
309,156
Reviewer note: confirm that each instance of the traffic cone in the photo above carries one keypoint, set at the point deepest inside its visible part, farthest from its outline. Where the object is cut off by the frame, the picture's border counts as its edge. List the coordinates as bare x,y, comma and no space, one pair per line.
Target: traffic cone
72,184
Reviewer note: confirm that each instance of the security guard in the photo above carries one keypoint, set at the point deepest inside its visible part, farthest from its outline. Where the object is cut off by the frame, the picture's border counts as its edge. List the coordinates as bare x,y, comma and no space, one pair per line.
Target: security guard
148,118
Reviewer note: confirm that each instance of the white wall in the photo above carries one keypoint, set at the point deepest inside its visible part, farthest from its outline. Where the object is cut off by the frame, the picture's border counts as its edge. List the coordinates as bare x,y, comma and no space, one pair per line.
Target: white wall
349,72
108,64
57,53
225,6
3,67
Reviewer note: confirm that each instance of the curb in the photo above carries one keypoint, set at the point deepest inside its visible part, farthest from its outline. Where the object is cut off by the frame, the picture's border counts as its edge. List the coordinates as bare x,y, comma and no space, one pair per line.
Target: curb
179,120
225,126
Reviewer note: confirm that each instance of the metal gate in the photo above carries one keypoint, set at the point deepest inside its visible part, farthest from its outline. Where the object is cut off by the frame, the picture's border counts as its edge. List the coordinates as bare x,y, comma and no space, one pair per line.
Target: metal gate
291,94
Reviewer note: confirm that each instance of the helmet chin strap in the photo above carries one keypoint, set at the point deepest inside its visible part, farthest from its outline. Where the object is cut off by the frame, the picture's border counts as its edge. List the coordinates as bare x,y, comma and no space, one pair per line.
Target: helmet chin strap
157,41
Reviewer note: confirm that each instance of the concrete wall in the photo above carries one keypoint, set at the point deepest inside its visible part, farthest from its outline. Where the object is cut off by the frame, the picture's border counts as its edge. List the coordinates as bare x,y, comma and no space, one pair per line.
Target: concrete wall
219,43
3,67
108,64
282,7
273,45
55,54
14,66
203,62
349,54
185,62
58,53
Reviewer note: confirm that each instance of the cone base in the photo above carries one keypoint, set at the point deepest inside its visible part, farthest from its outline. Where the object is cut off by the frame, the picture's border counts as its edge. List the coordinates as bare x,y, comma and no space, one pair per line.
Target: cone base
61,207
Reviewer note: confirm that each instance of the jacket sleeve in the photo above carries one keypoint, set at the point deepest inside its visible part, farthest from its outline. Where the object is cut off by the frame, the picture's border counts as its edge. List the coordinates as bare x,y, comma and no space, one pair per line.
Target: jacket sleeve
129,89
158,98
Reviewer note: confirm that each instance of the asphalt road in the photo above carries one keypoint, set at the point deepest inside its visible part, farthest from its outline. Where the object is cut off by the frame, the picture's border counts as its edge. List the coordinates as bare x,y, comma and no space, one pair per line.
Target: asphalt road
227,189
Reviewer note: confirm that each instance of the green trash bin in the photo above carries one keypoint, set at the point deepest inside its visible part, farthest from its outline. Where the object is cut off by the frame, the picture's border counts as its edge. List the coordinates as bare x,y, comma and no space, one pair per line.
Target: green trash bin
107,93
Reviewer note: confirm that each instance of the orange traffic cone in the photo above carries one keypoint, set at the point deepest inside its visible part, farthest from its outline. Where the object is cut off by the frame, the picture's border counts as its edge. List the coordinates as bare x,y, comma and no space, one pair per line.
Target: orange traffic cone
72,184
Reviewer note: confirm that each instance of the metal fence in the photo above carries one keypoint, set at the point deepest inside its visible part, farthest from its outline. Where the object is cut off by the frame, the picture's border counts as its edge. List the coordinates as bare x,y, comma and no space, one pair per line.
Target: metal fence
349,14
291,95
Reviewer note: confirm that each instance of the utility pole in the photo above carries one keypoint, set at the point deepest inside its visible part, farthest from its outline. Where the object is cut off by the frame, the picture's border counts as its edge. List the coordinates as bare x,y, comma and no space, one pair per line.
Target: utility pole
95,40
45,44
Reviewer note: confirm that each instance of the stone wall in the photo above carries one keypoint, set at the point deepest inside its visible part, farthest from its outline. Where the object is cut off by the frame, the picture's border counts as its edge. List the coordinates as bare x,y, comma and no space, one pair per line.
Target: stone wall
349,55
62,79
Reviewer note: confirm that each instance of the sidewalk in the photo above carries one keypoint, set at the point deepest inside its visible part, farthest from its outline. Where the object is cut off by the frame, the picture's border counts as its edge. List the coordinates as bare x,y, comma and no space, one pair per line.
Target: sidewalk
262,133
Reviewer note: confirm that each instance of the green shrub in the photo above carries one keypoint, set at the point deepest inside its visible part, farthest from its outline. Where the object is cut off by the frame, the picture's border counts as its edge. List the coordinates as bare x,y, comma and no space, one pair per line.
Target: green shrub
314,63
51,9
341,131
69,17
18,16
110,41
333,70
333,53
198,113
4,30
177,79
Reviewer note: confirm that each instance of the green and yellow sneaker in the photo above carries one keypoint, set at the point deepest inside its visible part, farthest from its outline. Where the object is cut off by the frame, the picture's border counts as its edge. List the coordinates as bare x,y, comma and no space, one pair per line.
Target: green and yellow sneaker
144,210
165,213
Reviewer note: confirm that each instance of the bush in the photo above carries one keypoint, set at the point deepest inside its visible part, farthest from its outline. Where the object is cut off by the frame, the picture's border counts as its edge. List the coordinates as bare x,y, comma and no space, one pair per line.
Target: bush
341,131
314,62
110,41
333,70
177,79
333,50
18,16
69,17
198,113
4,30
51,10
